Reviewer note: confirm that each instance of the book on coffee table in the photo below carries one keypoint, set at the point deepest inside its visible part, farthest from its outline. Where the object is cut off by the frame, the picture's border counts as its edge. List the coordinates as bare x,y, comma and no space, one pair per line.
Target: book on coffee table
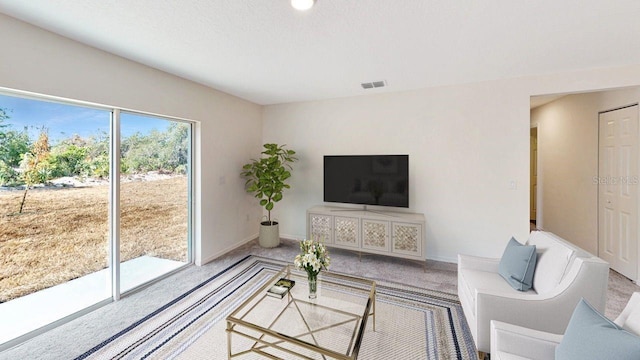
280,288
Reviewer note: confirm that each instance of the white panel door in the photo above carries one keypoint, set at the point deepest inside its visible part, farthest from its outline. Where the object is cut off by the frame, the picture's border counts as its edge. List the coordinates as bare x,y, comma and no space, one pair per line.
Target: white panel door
618,190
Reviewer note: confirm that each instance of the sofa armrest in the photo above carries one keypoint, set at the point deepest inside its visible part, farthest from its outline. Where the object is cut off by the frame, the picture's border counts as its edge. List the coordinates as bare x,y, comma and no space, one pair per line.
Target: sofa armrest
535,311
523,342
478,263
545,312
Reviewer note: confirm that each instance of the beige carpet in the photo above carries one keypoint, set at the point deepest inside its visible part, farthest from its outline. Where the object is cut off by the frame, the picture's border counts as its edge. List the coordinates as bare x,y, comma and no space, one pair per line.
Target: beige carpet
76,337
392,339
411,323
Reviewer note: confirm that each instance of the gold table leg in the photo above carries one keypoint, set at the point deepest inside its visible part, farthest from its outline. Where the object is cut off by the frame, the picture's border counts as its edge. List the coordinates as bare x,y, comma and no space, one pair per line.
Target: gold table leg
229,327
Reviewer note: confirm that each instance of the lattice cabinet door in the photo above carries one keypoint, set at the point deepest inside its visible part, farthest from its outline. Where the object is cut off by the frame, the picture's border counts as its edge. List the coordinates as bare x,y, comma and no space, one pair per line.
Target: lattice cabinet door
320,227
375,235
346,231
406,238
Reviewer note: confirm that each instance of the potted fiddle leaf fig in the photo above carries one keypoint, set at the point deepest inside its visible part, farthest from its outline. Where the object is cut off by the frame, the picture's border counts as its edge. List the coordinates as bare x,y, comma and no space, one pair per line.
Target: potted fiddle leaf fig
266,179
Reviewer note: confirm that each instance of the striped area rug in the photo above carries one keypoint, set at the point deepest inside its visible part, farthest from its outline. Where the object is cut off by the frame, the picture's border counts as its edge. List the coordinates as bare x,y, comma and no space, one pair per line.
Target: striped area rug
411,323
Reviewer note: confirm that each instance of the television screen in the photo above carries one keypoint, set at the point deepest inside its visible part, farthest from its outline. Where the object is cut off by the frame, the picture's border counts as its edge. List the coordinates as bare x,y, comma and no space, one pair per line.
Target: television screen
367,179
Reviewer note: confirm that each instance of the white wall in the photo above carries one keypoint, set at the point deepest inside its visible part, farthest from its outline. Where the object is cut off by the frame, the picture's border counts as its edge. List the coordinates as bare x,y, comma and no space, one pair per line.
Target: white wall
568,157
228,128
466,143
460,164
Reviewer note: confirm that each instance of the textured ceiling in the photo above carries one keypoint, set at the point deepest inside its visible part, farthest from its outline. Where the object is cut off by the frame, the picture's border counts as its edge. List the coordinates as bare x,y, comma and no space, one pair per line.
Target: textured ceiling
267,52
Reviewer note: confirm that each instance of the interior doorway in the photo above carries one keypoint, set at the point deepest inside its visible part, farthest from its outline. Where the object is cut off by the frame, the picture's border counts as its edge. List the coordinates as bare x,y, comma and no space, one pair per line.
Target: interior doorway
568,179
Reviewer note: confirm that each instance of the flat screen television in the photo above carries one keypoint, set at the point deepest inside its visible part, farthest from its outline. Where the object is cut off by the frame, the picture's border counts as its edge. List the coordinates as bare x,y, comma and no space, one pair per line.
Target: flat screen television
367,179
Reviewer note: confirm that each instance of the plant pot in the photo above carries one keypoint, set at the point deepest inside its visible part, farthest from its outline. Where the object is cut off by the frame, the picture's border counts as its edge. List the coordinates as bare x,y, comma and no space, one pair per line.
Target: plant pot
269,234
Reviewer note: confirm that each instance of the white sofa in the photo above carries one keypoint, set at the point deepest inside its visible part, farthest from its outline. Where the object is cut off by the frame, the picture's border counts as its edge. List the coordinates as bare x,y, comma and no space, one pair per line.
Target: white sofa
564,273
511,342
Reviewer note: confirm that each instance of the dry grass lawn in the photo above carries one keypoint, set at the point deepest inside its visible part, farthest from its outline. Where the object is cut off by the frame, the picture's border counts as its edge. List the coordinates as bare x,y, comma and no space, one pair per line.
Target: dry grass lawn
62,233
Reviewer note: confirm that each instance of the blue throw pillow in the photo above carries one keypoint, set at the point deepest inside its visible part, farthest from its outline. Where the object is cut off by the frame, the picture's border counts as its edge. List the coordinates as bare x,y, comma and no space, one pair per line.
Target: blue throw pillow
590,335
518,264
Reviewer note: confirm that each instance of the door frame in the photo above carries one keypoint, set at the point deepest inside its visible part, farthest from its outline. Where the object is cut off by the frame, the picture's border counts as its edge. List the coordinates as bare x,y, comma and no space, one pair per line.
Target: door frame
539,177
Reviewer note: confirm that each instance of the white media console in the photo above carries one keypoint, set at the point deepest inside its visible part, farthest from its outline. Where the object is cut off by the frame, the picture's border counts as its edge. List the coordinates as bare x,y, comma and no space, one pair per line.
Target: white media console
389,233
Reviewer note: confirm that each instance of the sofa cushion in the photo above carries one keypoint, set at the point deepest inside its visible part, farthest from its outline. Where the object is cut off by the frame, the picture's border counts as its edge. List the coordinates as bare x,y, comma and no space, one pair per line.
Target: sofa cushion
590,335
553,259
476,279
517,265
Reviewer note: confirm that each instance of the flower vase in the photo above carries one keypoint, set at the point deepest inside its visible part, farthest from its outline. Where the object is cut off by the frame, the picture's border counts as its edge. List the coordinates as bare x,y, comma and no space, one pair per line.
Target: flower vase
313,285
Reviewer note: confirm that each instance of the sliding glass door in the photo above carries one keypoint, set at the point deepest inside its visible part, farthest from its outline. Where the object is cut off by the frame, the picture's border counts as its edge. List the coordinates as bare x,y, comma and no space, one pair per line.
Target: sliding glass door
77,230
54,222
154,197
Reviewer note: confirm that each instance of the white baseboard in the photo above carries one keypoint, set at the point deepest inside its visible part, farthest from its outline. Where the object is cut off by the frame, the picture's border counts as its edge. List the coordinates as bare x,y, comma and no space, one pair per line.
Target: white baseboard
292,237
226,250
447,259
443,259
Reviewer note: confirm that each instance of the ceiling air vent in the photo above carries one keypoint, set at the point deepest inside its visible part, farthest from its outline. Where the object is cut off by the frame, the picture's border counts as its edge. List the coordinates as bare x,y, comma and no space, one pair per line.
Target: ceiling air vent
373,84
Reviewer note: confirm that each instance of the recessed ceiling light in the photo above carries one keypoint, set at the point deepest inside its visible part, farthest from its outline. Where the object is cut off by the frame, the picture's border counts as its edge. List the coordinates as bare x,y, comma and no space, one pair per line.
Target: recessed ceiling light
302,5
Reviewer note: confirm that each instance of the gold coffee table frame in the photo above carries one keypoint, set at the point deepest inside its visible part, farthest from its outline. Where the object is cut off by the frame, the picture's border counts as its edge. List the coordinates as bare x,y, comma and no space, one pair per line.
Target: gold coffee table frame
265,337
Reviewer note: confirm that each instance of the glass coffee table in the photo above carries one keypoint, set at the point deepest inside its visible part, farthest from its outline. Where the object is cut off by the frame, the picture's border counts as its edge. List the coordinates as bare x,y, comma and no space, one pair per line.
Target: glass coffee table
330,326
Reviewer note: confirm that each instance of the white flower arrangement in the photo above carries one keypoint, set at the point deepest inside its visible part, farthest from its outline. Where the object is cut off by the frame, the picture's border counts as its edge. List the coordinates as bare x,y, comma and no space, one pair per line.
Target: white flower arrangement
313,257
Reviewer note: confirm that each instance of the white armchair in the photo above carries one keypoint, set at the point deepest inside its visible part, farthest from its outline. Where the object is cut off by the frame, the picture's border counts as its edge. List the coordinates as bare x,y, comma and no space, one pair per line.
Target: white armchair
510,342
564,274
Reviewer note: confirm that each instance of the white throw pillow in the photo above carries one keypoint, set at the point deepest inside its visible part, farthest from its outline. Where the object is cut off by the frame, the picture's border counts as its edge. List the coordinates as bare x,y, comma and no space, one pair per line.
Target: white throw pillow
553,260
